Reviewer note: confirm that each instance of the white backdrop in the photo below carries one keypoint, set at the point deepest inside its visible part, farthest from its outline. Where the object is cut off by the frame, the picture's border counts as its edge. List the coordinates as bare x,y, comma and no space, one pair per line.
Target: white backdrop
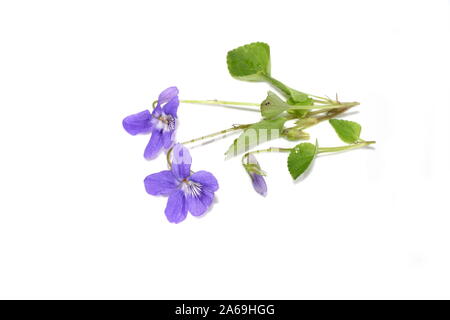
75,221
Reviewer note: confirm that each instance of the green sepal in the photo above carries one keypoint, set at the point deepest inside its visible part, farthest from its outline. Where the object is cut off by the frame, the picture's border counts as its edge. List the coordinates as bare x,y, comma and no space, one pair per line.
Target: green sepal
273,106
298,98
295,134
348,131
250,62
300,158
254,168
256,134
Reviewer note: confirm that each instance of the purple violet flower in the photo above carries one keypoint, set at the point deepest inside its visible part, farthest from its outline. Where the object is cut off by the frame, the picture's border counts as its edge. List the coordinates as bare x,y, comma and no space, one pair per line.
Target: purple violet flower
161,123
187,191
256,174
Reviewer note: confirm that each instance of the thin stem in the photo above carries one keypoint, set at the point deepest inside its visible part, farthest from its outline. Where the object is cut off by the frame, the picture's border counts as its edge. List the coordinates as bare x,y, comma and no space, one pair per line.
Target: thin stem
320,149
325,100
320,101
279,85
287,91
330,114
169,162
227,103
271,149
239,127
326,106
334,112
337,107
344,148
313,113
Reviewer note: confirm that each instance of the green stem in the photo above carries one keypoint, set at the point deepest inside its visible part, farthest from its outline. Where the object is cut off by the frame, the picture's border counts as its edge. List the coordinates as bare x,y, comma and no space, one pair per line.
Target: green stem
279,85
344,148
239,127
227,103
320,101
169,162
330,114
287,91
271,149
320,149
326,106
313,113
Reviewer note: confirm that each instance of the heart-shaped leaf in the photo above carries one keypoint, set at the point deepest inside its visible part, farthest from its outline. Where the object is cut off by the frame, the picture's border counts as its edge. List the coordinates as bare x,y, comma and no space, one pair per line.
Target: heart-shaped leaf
300,158
348,131
250,62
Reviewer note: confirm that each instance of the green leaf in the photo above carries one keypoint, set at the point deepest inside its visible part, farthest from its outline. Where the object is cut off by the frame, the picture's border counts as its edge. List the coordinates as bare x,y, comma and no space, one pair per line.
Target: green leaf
348,131
256,134
273,106
300,158
250,62
299,98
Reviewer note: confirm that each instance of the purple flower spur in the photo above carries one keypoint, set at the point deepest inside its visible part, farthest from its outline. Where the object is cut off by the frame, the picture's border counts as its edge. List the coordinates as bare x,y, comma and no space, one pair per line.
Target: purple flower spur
161,123
187,191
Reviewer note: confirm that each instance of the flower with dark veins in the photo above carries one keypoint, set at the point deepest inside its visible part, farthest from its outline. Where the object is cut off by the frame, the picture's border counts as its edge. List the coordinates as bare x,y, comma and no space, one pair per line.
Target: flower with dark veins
187,190
256,174
161,123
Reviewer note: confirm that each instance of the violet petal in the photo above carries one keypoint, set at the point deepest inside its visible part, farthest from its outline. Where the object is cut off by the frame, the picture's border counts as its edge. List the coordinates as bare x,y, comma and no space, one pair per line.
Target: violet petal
206,180
154,145
259,184
167,95
181,161
168,139
176,209
200,204
156,112
161,183
171,107
138,123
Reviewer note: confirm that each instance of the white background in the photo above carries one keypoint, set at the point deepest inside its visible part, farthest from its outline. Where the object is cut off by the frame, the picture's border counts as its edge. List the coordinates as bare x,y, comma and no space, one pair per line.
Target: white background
75,221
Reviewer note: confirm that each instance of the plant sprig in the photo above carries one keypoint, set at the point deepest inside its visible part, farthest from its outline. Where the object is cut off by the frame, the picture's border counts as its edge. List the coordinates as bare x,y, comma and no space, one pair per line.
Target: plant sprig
288,114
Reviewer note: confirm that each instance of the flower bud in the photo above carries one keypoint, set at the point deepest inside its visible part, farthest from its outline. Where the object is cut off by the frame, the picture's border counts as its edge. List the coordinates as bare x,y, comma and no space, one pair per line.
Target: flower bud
256,174
307,122
295,134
